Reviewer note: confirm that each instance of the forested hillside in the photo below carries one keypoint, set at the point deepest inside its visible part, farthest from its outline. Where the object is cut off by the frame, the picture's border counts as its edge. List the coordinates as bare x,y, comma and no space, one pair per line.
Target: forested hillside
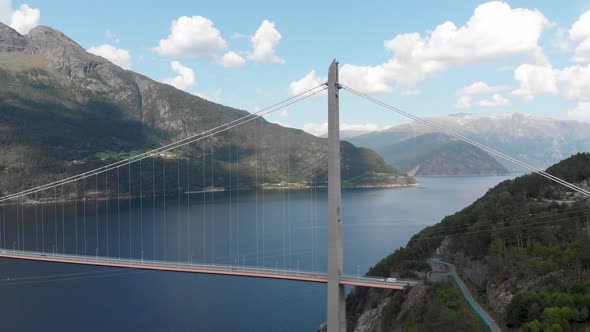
524,247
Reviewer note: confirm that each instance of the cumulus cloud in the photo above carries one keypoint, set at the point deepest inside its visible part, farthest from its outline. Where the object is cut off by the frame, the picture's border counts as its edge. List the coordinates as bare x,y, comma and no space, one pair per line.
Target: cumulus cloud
184,79
573,82
463,102
264,42
495,101
194,36
309,81
494,32
534,80
581,112
580,35
24,19
320,129
118,56
478,88
232,59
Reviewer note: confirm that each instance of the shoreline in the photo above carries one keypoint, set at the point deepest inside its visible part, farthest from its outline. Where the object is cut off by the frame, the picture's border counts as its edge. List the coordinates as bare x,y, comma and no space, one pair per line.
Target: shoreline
97,197
463,176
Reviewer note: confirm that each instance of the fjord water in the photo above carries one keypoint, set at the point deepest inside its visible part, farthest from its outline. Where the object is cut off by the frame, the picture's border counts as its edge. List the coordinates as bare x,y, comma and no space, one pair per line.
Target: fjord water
274,229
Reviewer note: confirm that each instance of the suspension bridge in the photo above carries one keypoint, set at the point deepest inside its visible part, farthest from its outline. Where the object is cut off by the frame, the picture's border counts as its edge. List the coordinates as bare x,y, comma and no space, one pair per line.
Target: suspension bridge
112,215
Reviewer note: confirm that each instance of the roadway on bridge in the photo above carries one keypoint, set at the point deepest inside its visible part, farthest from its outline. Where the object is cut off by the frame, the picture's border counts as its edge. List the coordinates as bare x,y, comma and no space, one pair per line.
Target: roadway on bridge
233,270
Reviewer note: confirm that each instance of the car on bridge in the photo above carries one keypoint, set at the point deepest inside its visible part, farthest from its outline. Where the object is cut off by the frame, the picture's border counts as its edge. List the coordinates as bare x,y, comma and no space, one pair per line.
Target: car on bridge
391,279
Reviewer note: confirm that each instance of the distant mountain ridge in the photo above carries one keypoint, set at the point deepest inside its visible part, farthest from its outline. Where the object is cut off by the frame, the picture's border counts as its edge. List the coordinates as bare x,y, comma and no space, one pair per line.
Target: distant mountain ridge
65,110
538,140
436,154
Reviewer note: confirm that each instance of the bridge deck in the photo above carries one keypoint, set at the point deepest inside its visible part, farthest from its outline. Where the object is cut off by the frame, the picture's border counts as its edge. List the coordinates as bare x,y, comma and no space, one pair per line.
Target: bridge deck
204,269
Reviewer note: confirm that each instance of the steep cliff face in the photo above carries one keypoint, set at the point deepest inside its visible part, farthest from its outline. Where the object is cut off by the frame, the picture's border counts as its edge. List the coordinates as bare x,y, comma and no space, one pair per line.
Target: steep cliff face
65,110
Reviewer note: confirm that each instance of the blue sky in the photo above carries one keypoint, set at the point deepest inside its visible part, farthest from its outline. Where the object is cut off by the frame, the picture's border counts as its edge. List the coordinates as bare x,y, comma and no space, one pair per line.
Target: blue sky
494,57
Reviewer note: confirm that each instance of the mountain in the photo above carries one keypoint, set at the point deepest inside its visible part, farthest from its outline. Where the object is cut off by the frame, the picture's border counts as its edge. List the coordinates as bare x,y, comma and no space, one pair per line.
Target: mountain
441,155
64,110
538,140
523,248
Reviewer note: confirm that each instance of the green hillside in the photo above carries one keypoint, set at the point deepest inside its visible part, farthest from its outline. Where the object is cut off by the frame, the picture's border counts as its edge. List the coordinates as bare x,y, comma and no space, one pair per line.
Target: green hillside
64,111
526,239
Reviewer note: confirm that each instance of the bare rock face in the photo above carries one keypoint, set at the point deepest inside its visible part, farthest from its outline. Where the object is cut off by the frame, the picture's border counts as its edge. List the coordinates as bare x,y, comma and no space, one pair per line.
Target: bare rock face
370,320
499,297
86,76
65,57
10,40
416,293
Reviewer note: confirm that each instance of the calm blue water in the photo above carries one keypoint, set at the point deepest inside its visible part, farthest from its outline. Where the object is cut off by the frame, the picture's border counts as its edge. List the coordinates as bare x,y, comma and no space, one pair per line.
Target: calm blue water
271,229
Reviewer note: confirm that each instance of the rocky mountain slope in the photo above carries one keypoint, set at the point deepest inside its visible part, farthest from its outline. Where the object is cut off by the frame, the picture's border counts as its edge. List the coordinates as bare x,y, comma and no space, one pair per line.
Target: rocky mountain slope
523,248
537,140
64,110
440,155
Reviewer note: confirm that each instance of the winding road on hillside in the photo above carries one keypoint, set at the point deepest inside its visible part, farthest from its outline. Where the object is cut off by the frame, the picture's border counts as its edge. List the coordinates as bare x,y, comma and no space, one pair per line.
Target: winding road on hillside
483,314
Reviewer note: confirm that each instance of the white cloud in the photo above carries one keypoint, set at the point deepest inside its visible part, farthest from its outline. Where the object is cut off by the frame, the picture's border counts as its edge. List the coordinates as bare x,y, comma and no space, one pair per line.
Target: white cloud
370,79
463,102
495,101
264,42
214,97
118,56
319,129
581,112
480,88
284,114
494,32
24,19
309,81
192,36
580,34
574,82
534,80
232,59
185,77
